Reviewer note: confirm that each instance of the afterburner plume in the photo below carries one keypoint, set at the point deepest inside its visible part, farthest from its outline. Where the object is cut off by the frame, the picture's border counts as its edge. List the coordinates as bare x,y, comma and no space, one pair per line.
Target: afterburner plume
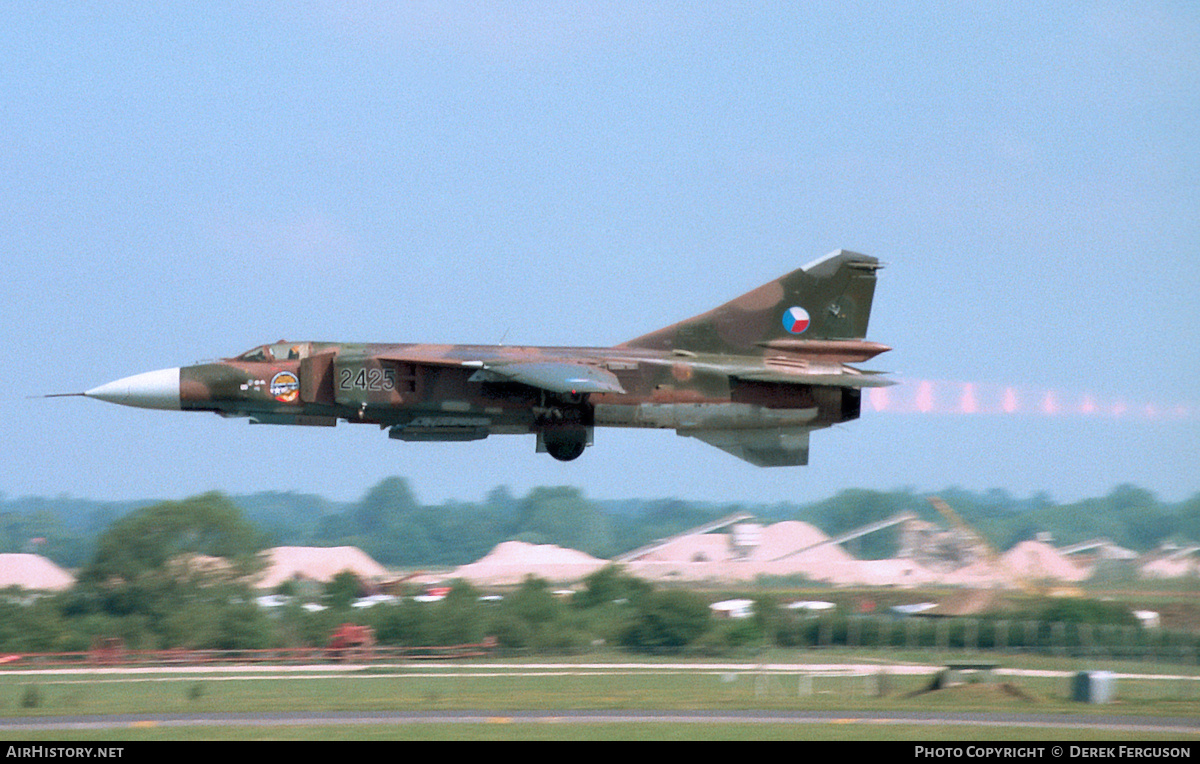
942,397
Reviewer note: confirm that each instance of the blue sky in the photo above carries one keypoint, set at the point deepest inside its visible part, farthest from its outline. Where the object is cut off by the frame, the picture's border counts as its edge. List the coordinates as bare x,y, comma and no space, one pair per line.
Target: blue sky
182,182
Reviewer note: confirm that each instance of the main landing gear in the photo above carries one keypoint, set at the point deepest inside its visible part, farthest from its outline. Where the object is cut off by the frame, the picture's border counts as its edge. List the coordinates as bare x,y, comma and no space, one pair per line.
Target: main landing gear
565,429
565,443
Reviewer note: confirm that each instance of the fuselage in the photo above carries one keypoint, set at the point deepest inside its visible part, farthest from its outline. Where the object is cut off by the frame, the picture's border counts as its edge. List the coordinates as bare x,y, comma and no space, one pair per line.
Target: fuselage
445,392
430,386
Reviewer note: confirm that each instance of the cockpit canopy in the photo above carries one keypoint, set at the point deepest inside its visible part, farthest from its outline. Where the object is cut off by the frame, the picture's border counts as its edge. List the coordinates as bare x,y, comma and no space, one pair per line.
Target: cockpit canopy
279,351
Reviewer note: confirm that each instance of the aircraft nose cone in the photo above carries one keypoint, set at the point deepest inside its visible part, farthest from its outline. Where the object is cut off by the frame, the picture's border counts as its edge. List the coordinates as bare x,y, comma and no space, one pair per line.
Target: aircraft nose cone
152,390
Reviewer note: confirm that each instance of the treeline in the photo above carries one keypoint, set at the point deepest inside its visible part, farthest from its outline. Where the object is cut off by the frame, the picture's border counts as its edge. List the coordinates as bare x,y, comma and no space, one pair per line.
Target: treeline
392,525
179,574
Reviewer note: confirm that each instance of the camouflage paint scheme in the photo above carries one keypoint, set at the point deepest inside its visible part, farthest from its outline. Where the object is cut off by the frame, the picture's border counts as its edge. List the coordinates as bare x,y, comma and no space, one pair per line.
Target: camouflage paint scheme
753,377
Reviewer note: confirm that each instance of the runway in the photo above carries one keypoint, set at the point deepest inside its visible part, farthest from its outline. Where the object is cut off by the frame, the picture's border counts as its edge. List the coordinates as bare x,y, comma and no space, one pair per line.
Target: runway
1106,723
1114,723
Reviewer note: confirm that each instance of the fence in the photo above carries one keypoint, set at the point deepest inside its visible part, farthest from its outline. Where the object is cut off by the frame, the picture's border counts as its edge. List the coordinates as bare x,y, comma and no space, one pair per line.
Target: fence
947,635
111,655
1062,639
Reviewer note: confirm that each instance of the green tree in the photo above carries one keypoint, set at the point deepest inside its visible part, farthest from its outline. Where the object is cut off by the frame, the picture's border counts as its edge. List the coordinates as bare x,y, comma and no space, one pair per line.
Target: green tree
610,585
408,623
530,617
342,590
385,507
146,540
533,602
667,621
562,516
461,617
1189,518
1146,521
151,573
1077,610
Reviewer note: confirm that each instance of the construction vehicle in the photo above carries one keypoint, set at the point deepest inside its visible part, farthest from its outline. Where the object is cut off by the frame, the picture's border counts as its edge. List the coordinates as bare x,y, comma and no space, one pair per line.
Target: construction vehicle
1012,575
971,544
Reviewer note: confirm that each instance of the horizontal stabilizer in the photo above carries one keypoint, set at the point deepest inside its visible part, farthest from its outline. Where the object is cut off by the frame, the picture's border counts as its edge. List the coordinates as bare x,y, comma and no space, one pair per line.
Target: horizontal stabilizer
828,380
767,447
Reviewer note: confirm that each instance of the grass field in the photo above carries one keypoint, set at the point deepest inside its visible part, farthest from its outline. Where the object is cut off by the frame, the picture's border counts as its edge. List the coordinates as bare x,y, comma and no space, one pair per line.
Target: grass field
565,731
613,683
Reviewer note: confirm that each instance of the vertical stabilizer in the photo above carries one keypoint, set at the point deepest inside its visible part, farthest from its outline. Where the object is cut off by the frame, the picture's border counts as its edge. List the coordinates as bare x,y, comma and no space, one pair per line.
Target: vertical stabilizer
830,298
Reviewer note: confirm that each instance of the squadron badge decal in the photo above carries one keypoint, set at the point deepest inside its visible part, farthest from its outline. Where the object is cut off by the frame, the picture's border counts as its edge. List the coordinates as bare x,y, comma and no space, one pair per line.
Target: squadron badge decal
285,387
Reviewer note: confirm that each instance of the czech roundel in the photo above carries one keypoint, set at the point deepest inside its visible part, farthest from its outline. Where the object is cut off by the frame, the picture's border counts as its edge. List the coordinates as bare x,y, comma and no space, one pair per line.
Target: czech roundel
795,320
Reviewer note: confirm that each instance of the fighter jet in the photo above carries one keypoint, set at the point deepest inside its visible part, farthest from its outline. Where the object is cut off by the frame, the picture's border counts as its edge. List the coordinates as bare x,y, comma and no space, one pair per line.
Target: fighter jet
752,377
